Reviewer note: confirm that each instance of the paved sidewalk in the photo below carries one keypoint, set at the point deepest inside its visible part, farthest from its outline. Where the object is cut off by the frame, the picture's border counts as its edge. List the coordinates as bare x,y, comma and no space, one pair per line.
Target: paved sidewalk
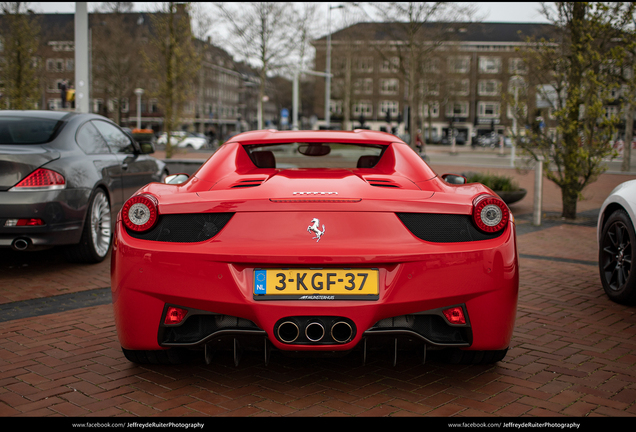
573,352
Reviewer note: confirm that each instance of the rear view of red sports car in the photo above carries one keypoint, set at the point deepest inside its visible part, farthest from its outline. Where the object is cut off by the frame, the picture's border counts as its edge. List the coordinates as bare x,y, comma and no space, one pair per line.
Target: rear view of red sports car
314,241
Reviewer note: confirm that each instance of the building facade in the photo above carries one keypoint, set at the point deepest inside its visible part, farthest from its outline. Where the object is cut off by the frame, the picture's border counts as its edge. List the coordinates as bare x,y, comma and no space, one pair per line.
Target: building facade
219,96
463,84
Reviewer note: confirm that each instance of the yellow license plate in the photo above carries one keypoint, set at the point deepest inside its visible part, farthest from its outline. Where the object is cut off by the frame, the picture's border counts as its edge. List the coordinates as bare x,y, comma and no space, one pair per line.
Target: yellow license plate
316,284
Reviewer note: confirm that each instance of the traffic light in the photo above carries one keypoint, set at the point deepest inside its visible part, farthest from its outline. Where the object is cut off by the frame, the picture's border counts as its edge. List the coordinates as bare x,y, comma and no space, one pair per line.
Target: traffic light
399,119
388,116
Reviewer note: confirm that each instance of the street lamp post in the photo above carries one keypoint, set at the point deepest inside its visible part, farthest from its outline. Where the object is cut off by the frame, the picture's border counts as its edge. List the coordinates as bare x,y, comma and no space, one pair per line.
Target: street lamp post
328,71
139,92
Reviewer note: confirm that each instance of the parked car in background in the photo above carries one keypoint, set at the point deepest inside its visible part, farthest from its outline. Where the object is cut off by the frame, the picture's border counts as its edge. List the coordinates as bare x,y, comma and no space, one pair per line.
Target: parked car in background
63,178
183,139
617,242
372,247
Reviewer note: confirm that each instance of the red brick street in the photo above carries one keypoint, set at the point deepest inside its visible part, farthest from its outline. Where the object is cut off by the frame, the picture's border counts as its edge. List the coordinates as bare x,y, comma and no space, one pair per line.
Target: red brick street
573,353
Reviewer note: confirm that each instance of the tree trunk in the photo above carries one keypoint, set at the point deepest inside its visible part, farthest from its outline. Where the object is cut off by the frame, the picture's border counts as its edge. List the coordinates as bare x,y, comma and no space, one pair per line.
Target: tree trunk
629,134
570,198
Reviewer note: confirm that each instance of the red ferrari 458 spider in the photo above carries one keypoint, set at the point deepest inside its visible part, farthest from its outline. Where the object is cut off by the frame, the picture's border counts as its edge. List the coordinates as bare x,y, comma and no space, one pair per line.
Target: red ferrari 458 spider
309,241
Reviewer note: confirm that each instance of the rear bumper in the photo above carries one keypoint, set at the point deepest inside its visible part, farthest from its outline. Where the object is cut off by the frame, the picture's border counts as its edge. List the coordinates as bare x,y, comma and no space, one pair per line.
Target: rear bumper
63,212
147,276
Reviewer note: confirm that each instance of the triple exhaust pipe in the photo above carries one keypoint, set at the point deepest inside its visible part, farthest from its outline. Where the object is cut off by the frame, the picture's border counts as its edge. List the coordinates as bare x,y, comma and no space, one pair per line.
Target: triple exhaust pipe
313,330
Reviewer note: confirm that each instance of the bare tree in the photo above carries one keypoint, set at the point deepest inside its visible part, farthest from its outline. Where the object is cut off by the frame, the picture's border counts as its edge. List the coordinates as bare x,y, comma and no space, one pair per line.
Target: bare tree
265,33
417,30
203,22
116,7
172,61
19,72
115,65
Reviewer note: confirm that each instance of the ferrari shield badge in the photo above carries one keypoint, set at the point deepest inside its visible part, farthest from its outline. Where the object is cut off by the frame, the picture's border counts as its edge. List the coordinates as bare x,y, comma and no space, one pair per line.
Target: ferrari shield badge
315,229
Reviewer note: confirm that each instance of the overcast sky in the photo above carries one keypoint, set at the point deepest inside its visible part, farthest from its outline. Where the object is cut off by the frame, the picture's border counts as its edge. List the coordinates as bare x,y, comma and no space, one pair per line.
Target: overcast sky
493,12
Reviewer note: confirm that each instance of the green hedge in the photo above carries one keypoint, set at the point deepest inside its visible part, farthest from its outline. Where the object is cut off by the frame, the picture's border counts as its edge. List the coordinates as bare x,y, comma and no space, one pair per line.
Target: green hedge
495,182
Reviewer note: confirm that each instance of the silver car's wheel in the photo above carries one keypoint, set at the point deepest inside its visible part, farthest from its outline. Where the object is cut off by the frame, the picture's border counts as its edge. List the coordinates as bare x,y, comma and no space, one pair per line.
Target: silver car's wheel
97,234
101,233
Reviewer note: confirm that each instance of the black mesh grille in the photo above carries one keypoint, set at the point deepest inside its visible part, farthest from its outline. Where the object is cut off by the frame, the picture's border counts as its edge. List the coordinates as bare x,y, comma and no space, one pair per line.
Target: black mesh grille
185,228
444,228
198,327
432,327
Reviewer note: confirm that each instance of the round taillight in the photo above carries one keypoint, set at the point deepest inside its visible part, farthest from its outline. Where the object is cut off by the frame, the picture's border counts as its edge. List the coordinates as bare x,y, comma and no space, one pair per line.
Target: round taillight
490,213
140,212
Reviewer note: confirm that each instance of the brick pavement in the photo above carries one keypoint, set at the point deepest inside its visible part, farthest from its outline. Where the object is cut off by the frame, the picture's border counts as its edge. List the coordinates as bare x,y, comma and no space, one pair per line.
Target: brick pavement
573,352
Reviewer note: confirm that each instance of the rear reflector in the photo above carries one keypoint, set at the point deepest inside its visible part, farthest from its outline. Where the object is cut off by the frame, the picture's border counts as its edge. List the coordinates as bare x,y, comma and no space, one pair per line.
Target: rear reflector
41,179
23,222
174,315
455,315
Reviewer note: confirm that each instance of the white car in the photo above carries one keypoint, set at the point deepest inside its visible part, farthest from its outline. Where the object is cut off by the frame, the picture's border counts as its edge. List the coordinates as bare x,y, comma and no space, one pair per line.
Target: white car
617,242
183,140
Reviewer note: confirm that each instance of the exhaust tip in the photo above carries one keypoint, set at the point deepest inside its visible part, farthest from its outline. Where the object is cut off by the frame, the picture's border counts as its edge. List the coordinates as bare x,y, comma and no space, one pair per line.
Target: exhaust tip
341,332
20,244
314,331
288,332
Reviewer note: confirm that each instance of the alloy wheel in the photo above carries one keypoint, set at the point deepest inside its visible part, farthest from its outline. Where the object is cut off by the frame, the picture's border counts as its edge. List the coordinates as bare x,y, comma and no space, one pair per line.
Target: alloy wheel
100,224
616,255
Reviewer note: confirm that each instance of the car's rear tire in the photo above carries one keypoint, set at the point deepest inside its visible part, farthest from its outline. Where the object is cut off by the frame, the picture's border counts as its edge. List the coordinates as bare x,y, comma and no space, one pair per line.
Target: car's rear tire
158,357
97,235
616,250
458,356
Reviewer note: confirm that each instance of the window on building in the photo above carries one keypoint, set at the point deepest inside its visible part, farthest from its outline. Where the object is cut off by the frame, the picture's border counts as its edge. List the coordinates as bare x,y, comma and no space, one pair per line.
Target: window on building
432,109
457,109
113,105
390,65
389,86
335,106
363,86
516,66
392,106
488,109
70,64
489,87
364,108
459,64
55,65
364,64
54,86
612,111
98,106
489,64
153,106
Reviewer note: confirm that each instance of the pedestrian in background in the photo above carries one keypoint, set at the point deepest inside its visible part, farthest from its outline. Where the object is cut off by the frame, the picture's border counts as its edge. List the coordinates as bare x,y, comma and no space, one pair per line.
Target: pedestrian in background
63,93
70,96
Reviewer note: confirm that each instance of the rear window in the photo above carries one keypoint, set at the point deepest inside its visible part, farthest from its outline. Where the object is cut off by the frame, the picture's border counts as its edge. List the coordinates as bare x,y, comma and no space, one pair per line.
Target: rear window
28,130
315,155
